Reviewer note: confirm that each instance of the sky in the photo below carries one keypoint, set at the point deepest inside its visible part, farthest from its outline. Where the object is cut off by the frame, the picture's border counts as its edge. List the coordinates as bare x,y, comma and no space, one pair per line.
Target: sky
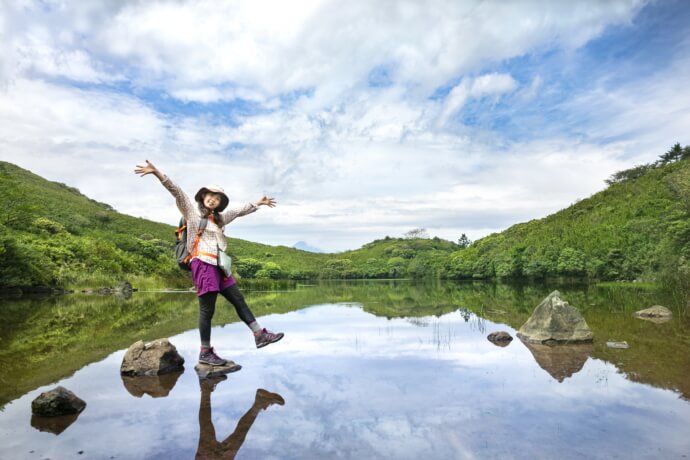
363,119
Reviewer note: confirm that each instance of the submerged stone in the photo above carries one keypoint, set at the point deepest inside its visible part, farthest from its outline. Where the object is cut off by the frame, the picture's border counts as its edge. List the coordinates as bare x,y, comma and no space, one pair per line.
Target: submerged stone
500,338
656,314
153,358
555,321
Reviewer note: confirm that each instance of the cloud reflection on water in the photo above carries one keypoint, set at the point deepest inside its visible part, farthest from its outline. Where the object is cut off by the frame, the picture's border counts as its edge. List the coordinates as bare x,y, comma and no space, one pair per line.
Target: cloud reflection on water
361,386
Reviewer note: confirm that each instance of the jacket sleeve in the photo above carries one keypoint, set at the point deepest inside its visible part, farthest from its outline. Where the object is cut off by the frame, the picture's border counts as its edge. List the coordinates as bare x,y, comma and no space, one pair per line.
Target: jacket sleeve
231,214
183,202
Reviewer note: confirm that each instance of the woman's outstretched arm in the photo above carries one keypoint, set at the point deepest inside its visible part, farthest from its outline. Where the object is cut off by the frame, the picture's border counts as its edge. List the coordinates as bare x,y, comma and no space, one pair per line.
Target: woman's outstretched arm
184,203
149,168
231,214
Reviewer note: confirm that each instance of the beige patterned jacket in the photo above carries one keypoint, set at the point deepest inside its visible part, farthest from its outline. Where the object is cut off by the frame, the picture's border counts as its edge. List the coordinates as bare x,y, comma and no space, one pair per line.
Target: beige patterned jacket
213,237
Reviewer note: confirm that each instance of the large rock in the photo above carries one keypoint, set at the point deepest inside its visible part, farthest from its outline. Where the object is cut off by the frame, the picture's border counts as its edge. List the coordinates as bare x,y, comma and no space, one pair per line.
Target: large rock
56,402
555,321
153,358
656,314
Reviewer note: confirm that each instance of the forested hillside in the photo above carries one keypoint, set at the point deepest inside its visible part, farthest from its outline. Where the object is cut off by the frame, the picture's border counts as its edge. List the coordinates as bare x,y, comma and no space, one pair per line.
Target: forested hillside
52,235
637,227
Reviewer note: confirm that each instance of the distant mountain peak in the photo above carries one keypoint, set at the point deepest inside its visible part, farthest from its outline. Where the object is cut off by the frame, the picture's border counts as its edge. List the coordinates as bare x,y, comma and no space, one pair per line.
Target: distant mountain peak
303,246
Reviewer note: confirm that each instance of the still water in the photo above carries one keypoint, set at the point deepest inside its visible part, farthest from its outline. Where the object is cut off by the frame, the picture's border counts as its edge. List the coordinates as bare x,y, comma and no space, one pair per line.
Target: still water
366,370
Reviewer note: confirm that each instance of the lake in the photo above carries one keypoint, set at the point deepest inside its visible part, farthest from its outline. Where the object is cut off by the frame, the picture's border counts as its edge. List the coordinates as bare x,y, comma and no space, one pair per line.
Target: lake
376,369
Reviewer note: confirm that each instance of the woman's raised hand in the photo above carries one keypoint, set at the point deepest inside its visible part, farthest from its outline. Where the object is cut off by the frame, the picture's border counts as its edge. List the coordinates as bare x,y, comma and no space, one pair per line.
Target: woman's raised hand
148,168
270,202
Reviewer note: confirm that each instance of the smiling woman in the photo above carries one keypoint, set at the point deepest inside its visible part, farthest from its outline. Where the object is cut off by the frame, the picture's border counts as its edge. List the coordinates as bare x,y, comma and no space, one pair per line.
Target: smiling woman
205,240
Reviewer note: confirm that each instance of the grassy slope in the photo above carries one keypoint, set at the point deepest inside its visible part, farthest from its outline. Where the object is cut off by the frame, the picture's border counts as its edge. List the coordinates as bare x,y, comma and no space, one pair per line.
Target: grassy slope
630,229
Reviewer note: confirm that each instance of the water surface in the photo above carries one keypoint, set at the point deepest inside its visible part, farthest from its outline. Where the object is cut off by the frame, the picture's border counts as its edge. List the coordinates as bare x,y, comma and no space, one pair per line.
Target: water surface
366,370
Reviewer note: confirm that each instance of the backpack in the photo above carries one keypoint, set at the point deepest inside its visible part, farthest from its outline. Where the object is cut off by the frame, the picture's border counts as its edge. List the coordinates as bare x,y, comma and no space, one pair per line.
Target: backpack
182,254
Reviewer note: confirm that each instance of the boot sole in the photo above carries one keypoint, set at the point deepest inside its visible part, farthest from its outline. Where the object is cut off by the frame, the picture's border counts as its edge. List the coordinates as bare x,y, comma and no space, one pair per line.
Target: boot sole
213,364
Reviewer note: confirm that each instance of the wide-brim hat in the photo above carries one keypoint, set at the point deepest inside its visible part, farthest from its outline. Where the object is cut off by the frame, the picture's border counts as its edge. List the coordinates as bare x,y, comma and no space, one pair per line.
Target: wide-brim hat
224,200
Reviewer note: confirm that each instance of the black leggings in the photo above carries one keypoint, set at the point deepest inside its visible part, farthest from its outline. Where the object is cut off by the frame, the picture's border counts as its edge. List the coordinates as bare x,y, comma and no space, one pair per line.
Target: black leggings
207,307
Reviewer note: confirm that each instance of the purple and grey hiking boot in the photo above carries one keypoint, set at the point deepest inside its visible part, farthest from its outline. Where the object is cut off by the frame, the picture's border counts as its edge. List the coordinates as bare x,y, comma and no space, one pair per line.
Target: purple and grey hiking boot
266,337
209,356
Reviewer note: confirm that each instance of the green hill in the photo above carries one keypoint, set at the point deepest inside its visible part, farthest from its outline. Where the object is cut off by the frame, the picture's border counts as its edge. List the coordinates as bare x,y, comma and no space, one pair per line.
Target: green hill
637,227
52,235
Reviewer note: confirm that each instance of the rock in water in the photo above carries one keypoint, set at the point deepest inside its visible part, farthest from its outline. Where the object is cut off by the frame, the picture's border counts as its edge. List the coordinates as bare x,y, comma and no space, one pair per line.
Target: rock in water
656,313
59,401
153,358
500,338
555,321
206,371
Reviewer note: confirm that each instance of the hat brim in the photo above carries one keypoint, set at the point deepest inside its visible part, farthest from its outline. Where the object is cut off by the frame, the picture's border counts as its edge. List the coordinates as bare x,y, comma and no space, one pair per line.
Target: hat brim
224,200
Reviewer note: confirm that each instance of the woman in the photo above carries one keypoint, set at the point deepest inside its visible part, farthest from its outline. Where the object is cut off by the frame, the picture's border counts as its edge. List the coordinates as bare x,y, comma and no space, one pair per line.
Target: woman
204,243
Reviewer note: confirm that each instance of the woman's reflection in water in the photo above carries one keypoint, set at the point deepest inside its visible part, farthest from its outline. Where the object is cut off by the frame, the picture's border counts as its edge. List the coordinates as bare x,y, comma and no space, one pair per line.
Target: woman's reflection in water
209,446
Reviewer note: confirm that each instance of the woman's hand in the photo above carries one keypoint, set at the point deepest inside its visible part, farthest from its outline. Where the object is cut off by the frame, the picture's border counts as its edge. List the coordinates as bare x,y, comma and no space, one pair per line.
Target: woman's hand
148,168
270,202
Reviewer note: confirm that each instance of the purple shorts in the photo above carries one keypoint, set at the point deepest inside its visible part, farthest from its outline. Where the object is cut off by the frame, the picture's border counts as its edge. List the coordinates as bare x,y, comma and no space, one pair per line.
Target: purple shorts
209,278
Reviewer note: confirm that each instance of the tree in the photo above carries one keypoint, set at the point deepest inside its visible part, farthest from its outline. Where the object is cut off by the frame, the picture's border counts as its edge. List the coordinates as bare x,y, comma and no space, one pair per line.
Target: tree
417,233
463,241
675,154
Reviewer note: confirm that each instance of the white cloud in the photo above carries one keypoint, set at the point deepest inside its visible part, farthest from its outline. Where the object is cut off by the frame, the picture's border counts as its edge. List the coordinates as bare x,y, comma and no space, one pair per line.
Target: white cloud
486,85
274,46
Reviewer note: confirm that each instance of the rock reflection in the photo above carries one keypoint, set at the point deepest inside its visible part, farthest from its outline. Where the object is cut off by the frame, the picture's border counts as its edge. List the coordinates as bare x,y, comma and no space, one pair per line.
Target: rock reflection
55,425
209,447
560,361
156,386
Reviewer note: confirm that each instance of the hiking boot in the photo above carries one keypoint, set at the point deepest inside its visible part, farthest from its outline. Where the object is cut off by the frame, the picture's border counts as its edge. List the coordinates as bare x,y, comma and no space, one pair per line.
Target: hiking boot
209,356
264,399
266,337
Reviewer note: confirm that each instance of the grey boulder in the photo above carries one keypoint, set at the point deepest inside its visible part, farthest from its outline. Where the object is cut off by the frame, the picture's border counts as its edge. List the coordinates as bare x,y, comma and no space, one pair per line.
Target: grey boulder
153,358
554,321
56,402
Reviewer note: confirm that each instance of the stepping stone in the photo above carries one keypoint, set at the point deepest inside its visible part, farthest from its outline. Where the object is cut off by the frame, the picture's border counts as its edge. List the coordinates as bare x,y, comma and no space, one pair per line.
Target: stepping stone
206,371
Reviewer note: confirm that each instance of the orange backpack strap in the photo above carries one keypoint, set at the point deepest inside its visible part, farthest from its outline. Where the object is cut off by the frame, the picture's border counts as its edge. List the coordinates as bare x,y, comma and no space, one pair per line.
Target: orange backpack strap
195,246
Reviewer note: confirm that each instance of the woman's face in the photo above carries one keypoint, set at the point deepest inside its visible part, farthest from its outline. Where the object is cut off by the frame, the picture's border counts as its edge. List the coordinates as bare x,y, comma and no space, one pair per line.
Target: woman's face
212,200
